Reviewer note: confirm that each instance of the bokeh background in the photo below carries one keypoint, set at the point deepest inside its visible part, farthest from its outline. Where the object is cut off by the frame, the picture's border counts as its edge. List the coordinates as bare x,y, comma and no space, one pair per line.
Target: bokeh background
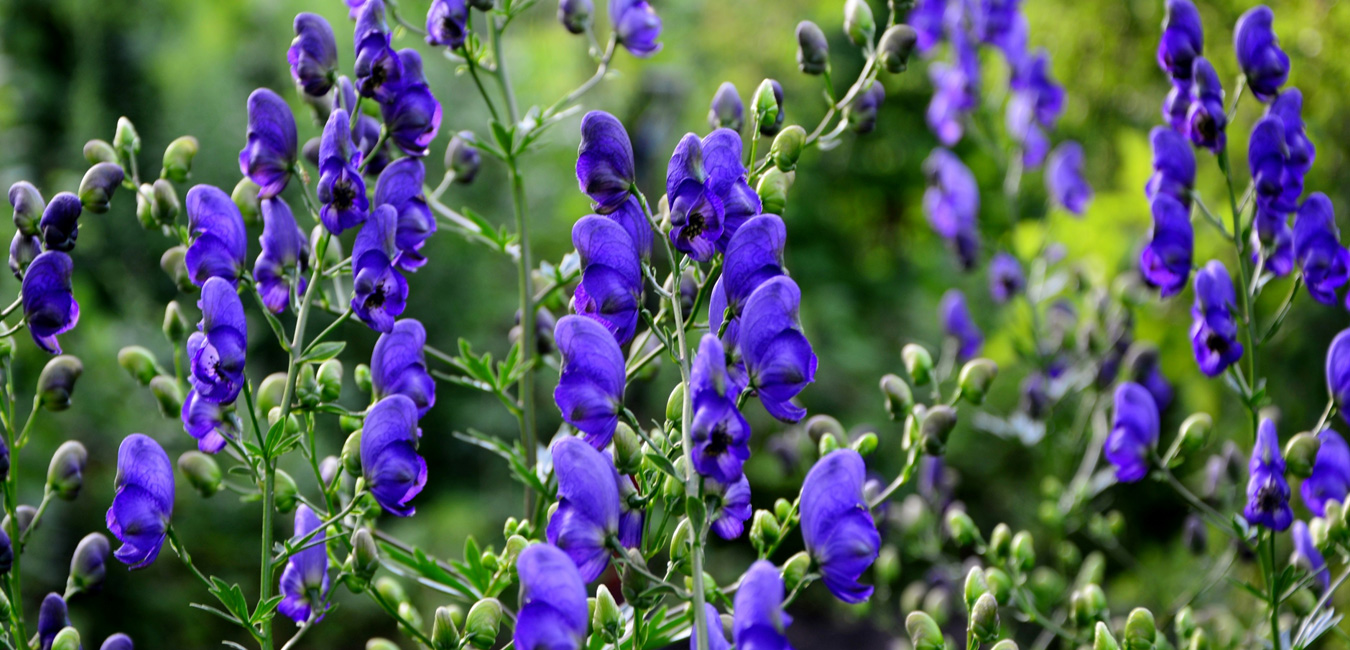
871,271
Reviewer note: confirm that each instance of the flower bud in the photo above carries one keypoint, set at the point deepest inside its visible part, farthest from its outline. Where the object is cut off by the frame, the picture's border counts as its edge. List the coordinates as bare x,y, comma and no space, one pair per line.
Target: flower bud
787,147
820,425
865,444
462,157
1300,453
351,454
768,103
5,608
627,449
1023,551
813,50
98,151
795,570
271,391
1184,623
727,111
57,382
145,206
65,474
67,639
24,516
365,557
362,377
285,492
349,424
773,189
606,620
1088,604
859,23
1006,644
164,204
1334,513
202,472
412,619
681,545
975,587
174,263
764,530
924,633
330,380
178,159
444,635
1195,432
139,363
98,186
899,398
307,386
918,363
390,590
895,47
1140,631
984,618
961,528
176,326
1000,543
1093,570
887,567
88,566
23,249
975,378
168,395
675,403
1103,639
575,15
1199,640
6,562
381,644
245,197
634,583
937,427
483,623
125,140
28,207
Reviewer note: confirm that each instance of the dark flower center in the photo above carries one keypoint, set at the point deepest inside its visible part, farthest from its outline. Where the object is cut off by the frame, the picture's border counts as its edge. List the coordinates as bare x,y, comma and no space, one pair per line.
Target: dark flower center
1206,126
1269,498
376,298
718,441
695,226
1216,343
343,194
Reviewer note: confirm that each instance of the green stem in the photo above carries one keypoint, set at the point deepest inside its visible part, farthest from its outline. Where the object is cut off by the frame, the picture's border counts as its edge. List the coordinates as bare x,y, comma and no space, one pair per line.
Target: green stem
13,585
477,81
503,78
1274,593
1244,290
529,351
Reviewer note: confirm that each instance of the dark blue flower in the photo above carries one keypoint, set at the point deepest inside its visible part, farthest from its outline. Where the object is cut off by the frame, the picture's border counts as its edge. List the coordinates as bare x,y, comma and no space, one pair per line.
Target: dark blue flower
553,613
590,388
304,582
117,641
629,214
610,290
758,619
49,308
955,93
1267,155
313,55
720,433
708,193
218,242
284,259
636,25
927,19
447,23
1330,478
1005,277
631,518
1176,105
587,517
393,470
717,638
400,186
269,154
1064,179
605,169
779,361
1307,556
1183,39
366,134
53,616
412,116
753,256
1205,119
952,201
1215,328
1033,85
398,365
379,70
1267,489
216,350
727,110
143,503
1134,432
209,422
1288,106
1166,262
836,525
958,324
341,189
735,510
1317,247
1173,166
379,290
717,311
861,115
1259,54
1338,372
60,224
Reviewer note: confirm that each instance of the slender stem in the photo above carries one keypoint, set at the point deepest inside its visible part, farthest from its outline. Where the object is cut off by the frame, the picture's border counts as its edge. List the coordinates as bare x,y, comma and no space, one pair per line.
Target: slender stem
477,81
1274,592
10,309
1244,302
529,351
393,612
503,78
304,627
13,585
585,87
37,516
374,152
329,330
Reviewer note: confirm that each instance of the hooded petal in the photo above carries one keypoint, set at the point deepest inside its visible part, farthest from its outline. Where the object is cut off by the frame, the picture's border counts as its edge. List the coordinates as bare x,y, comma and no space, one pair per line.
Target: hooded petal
389,460
398,365
590,389
836,526
269,152
49,308
218,241
605,169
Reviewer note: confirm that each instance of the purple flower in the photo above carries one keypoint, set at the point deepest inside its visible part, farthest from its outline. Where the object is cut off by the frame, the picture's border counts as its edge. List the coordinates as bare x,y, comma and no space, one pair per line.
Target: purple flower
1317,247
366,134
400,186
53,616
836,525
1215,328
1288,106
1330,478
379,290
735,510
379,70
958,324
553,613
313,55
605,162
927,19
1064,178
60,223
1005,277
447,23
117,641
412,116
1307,556
1266,155
587,518
720,433
1134,432
1267,490
1166,262
143,503
398,365
1033,84
269,154
717,638
861,115
1338,372
304,582
753,256
218,242
727,108
952,201
393,471
49,307
759,622
217,349
629,214
630,518
209,422
590,388
998,23
1176,104
611,276
708,192
1173,166
1205,119
341,189
954,94
285,256
28,207
1183,39
717,310
636,25
1259,53
779,361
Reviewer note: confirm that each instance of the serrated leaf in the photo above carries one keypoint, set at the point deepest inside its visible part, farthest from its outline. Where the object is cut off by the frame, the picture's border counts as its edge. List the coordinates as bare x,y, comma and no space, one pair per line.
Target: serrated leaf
504,137
323,351
265,609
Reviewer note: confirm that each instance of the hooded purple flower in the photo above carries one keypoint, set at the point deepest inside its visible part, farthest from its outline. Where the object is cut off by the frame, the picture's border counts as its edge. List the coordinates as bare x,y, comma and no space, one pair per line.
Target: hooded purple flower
304,582
587,518
143,503
1330,478
400,186
954,95
754,255
53,616
379,290
365,135
1259,53
412,116
611,275
1215,328
836,525
1134,432
398,365
209,422
28,207
1064,179
1205,119
629,214
1288,106
1166,262
708,192
1266,155
313,55
758,620
1338,372
1173,166
1176,105
269,154
1317,247
720,433
218,242
735,510
717,638
779,361
117,641
285,256
393,470
1267,490
590,390
1307,556
341,189
49,308
1183,39
1033,85
553,613
217,350
60,224
447,23
861,115
958,324
727,109
1005,277
379,70
927,19
952,201
605,162
636,25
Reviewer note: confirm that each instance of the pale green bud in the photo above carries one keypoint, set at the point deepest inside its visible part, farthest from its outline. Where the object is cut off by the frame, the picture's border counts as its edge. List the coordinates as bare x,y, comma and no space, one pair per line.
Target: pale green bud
176,326
99,151
56,384
675,403
330,380
795,570
627,449
984,618
764,530
918,363
1300,453
245,197
178,159
773,188
962,528
271,391
168,396
859,23
65,474
975,587
897,43
606,620
1000,585
937,428
483,622
67,639
787,147
202,472
975,379
899,398
164,205
924,633
285,491
866,444
139,363
1140,631
444,632
1023,551
1103,639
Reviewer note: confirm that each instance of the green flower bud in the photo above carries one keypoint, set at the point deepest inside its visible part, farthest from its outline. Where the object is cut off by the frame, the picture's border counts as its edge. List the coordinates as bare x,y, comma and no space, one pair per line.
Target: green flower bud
98,186
937,428
1006,644
202,472
411,616
866,444
164,204
88,565
330,380
961,528
984,618
924,633
1068,555
887,567
65,474
139,363
178,159
681,546
633,582
787,148
5,608
168,396
773,189
362,377
975,587
1023,551
390,590
936,603
67,639
307,386
1088,604
1047,585
1184,623
99,151
1300,453
859,23
245,197
627,449
1000,543
1195,433
606,621
1320,532
911,598
675,403
1103,639
1000,585
918,363
764,530
897,43
174,263
1199,640
514,545
350,423
782,509
25,516
56,384
1140,631
145,206
271,391
483,623
899,398
381,644
1093,570
795,570
365,557
285,492
975,378
125,140
444,635
7,347
1334,514
768,106
828,443
176,326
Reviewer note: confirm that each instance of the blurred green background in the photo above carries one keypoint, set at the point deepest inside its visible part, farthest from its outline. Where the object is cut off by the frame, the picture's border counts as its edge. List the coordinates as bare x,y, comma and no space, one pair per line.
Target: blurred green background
870,269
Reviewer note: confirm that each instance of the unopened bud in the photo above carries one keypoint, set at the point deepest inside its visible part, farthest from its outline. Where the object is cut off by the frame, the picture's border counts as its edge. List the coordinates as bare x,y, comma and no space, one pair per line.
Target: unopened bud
635,583
202,472
627,449
1300,453
575,15
962,528
483,622
24,516
23,249
98,151
287,494
918,363
245,197
607,620
1088,604
887,567
975,587
65,474
176,326
1000,543
787,147
675,403
139,363
307,386
681,546
937,428
1023,551
67,639
362,377
984,618
330,380
727,110
1195,432
1140,631
444,632
859,23
924,633
125,140
98,186
975,379
88,566
899,398
271,391
866,444
167,395
381,644
768,103
56,384
174,263
895,48
1103,639
764,530
178,159
351,453
773,190
164,206
365,558
1199,640
795,570
1184,623
462,157
813,50
1006,644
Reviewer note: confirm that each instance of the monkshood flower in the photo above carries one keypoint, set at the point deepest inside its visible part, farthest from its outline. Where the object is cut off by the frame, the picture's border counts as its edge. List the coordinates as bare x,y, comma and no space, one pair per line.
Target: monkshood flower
735,510
447,23
1176,105
393,470
304,582
629,214
217,240
1317,247
753,256
1134,432
1173,166
209,422
341,191
313,55
366,134
1267,489
1330,478
862,113
1338,372
400,186
379,70
379,290
720,433
836,525
216,350
605,170
1215,328
610,290
1166,262
587,517
1259,54
636,25
117,641
1033,85
576,15
28,207
52,617
1005,277
1146,370
1288,106
1205,119
1266,155
412,116
398,365
958,324
1000,23
60,224
590,388
1183,39
951,203
779,361
1065,181
727,110
953,97
630,518
553,613
143,503
284,258
709,195
269,154
49,307
758,619
927,17
1307,556
717,638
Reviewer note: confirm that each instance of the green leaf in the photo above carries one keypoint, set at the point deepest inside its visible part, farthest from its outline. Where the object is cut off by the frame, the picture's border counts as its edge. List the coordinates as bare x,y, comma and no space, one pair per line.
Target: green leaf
662,463
265,609
505,137
323,351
